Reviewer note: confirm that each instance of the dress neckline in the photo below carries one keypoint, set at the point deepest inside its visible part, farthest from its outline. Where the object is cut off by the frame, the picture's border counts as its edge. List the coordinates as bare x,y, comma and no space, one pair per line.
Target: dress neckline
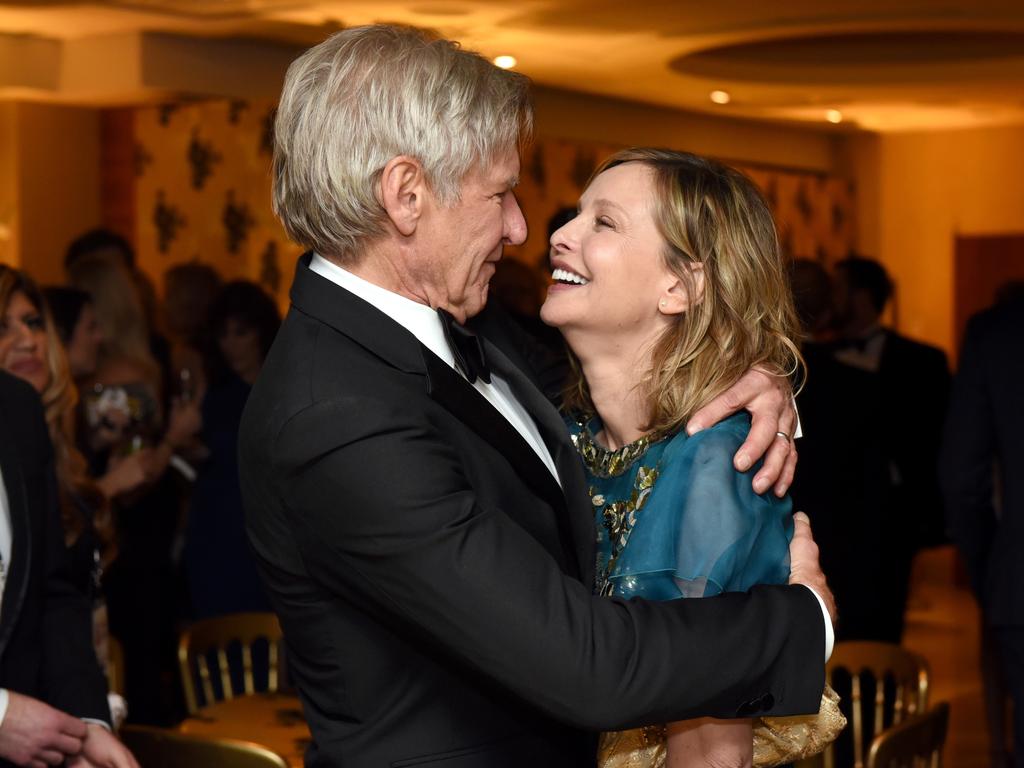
605,462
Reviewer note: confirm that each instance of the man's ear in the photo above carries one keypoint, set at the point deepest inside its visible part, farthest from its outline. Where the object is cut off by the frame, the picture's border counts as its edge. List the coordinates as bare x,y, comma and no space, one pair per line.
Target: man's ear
402,189
677,297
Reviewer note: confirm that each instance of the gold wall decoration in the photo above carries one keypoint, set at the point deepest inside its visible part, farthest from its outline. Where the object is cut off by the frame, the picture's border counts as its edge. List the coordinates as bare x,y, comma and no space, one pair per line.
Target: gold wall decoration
202,192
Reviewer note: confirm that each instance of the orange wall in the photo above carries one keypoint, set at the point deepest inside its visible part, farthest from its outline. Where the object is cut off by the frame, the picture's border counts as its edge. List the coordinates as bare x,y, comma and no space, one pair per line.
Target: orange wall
54,196
917,191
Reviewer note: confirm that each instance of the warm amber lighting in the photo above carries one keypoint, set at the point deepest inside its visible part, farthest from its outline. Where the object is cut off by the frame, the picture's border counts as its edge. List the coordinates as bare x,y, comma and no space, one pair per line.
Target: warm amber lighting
505,61
721,97
834,116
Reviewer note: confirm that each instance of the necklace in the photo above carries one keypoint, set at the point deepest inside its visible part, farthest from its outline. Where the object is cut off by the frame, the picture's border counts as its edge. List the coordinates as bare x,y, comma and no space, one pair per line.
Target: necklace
603,462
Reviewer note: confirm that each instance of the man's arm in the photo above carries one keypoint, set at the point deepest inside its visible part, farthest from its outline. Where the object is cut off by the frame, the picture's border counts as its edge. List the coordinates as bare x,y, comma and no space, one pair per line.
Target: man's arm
966,458
769,399
388,518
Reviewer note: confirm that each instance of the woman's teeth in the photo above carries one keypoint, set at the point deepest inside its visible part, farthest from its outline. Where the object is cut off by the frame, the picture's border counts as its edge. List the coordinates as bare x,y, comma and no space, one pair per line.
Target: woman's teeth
565,276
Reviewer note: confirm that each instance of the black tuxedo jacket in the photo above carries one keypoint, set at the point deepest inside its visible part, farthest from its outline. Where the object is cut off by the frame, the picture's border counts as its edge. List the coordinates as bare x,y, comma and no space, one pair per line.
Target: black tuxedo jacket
46,646
914,384
985,427
434,581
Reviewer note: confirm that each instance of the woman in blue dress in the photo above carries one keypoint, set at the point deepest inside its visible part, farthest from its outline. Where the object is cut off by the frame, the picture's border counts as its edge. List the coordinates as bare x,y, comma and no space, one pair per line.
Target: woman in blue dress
669,285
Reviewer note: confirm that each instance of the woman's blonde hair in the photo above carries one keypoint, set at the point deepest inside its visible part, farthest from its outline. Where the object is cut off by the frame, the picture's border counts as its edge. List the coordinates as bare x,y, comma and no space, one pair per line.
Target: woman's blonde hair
368,94
119,310
743,316
59,398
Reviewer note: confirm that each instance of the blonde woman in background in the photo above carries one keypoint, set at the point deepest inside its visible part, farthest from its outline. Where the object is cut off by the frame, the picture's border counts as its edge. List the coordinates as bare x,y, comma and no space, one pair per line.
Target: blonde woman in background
668,287
125,403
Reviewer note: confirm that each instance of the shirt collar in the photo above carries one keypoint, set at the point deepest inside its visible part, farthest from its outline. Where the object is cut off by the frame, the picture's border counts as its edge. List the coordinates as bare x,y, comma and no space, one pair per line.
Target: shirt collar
419,319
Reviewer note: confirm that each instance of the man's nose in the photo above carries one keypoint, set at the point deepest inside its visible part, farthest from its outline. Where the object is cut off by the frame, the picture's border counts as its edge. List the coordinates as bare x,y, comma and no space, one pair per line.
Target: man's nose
515,223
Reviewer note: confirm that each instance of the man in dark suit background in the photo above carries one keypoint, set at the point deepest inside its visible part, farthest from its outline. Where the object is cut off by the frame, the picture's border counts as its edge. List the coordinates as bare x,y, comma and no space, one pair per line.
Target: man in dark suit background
902,393
418,514
53,695
984,442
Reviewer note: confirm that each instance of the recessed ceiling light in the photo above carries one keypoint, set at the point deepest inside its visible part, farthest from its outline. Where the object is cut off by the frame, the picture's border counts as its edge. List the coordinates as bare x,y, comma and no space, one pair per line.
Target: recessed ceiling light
505,61
834,116
721,97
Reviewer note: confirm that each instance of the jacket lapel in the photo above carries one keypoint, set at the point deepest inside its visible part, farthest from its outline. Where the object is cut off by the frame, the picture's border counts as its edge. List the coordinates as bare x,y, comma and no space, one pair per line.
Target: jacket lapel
449,389
578,521
372,329
21,551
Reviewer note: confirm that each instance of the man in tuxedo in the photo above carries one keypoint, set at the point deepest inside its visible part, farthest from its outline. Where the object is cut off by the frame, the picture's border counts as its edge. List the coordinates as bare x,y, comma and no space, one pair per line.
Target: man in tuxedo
53,698
983,442
416,510
904,384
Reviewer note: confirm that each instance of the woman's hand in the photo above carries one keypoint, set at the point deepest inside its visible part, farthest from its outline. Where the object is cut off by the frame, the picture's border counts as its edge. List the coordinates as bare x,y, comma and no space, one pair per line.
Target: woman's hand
769,400
183,424
127,473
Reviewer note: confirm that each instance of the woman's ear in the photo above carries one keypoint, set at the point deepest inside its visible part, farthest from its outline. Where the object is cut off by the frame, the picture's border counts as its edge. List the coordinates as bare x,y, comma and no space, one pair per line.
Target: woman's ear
402,192
681,295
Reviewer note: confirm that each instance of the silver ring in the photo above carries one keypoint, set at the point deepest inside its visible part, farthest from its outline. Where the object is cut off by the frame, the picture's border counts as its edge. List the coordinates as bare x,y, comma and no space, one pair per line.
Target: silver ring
784,436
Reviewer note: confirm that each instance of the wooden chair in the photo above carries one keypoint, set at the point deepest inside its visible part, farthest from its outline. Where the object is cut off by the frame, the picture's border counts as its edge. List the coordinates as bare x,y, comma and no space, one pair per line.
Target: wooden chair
115,665
160,748
915,743
886,667
212,640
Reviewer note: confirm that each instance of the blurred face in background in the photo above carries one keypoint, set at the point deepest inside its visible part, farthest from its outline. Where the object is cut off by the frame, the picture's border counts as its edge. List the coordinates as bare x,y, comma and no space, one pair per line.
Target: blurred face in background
84,345
23,342
240,345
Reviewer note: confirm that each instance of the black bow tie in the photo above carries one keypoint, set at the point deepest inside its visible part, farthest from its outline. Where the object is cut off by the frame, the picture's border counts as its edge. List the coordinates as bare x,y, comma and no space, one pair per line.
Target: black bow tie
467,349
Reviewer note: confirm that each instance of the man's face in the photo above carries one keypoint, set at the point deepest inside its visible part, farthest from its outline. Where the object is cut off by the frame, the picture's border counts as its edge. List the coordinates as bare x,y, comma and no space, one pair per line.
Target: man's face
461,244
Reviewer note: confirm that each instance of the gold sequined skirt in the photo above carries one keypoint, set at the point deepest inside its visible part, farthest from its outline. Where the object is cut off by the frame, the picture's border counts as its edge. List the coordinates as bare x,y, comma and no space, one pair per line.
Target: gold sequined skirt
777,740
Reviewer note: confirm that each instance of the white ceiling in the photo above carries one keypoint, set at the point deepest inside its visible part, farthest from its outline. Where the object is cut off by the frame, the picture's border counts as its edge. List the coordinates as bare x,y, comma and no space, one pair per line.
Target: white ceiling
886,65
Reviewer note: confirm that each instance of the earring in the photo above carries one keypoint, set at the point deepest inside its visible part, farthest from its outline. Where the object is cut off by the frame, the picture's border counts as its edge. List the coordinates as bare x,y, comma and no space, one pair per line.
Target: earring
661,303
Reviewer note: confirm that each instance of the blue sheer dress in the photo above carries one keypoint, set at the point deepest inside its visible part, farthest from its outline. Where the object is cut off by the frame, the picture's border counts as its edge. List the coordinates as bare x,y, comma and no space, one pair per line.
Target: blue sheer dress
675,519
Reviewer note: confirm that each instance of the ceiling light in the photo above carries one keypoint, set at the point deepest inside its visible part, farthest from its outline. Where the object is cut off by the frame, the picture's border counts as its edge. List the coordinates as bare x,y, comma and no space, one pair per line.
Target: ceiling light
834,116
505,61
721,97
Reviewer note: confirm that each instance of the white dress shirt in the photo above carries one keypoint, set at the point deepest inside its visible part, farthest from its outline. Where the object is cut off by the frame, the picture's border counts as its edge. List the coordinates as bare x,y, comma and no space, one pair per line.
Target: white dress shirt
423,323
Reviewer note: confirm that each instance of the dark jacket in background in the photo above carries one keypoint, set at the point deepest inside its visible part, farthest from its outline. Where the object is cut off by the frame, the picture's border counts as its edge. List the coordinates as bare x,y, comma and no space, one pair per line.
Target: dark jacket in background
46,646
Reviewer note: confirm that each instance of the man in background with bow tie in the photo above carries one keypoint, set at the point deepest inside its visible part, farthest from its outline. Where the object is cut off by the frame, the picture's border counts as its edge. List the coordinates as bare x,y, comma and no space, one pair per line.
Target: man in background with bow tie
905,384
417,512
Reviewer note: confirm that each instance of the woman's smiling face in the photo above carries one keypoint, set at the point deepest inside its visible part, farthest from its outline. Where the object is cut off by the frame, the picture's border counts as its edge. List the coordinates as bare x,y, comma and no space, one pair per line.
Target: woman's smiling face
607,263
23,342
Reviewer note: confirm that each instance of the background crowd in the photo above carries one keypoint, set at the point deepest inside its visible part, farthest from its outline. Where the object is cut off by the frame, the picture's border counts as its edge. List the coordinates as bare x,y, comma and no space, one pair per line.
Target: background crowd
143,397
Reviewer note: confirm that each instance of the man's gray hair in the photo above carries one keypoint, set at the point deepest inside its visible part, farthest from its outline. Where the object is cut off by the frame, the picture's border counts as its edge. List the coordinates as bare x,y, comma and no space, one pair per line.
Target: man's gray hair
368,94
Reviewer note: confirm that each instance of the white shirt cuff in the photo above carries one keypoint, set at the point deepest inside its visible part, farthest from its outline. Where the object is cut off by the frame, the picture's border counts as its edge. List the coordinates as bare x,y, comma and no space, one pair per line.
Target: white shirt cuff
5,699
830,635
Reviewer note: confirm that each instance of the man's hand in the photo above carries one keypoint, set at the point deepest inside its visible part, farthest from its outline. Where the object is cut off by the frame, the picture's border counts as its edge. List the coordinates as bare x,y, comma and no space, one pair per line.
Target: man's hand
103,750
770,401
803,563
36,734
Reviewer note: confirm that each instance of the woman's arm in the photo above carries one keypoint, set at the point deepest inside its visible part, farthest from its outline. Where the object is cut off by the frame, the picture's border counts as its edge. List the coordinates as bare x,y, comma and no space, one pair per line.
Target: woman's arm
710,743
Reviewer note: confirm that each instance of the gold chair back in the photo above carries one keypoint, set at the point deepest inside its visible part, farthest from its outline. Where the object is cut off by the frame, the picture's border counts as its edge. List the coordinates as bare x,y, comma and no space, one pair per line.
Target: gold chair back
872,663
209,641
915,743
160,748
115,665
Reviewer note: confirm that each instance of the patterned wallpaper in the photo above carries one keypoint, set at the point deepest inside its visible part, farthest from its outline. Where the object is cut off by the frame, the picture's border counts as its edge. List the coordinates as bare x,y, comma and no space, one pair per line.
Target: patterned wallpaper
202,192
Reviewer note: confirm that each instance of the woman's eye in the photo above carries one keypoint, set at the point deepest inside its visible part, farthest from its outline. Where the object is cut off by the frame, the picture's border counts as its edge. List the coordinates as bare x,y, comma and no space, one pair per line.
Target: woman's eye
603,221
34,322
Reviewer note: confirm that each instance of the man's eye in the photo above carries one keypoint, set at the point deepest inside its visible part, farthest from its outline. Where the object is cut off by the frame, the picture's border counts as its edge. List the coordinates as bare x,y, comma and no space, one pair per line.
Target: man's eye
603,221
